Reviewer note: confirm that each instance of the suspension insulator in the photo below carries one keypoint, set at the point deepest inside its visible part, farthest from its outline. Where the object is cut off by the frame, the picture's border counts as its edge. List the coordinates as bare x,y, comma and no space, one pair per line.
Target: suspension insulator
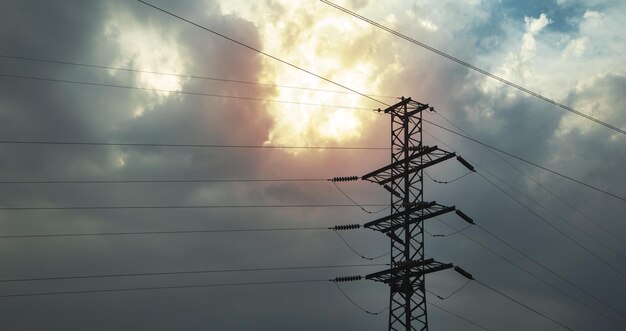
464,217
346,227
344,179
463,272
465,163
347,279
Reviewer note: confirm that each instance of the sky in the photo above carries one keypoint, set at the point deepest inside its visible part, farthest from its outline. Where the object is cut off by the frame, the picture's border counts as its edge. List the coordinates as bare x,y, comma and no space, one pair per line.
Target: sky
567,50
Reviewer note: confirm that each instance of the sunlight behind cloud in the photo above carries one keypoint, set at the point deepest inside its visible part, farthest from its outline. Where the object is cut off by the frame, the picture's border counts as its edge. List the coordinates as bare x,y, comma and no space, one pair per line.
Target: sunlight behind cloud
332,45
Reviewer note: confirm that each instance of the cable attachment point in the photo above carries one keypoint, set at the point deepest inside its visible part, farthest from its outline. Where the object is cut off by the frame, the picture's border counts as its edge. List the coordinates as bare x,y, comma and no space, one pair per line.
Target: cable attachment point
417,204
346,279
417,148
346,227
408,264
344,179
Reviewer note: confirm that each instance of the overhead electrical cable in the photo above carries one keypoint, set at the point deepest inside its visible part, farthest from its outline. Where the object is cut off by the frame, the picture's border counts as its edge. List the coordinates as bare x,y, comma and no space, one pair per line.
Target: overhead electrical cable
522,304
369,258
523,173
142,233
141,181
448,181
151,288
187,272
446,235
570,238
535,276
541,218
457,316
564,220
130,87
261,52
356,203
576,227
218,79
452,293
183,207
526,161
541,265
345,295
126,144
482,71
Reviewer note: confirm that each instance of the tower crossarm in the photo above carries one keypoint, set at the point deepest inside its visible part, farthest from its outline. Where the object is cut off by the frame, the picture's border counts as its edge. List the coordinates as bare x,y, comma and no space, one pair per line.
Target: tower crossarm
426,156
397,109
418,213
398,218
413,269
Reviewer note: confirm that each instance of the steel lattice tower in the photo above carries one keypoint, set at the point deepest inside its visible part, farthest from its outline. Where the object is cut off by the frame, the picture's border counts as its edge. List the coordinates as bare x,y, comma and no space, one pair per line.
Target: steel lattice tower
403,178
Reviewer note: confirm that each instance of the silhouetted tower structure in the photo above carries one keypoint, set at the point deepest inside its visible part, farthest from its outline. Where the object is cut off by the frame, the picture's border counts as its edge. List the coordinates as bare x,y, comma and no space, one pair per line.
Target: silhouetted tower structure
403,178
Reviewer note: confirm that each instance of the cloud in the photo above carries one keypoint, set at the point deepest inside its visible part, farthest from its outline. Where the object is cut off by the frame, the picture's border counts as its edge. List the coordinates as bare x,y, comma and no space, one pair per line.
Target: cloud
581,66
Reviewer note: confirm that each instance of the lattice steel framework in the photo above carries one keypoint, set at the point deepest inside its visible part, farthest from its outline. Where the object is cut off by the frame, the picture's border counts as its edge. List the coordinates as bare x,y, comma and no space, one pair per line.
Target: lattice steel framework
403,178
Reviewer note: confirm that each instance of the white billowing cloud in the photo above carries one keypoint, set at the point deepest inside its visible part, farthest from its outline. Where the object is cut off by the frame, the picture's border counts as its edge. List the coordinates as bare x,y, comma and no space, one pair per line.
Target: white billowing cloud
146,48
518,65
556,63
428,24
575,47
534,25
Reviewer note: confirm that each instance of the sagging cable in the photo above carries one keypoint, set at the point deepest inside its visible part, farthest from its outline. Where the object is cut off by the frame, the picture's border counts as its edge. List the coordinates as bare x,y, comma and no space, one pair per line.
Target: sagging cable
345,295
449,234
356,252
446,182
352,200
451,294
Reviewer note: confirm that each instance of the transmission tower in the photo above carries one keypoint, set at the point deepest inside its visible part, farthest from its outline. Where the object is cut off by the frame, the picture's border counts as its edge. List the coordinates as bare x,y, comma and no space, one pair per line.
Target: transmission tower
403,178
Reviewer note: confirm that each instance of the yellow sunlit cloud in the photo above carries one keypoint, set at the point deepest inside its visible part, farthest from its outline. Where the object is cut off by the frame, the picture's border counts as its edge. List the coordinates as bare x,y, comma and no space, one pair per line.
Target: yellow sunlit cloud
330,45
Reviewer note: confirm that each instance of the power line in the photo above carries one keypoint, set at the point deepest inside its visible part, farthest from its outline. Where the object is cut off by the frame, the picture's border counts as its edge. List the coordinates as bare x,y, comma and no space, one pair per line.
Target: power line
482,71
129,87
44,142
356,203
457,316
357,252
141,233
520,171
139,181
151,288
452,293
86,65
141,274
449,234
549,270
448,181
522,304
184,207
541,265
345,295
585,233
96,143
261,52
542,218
599,258
526,161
